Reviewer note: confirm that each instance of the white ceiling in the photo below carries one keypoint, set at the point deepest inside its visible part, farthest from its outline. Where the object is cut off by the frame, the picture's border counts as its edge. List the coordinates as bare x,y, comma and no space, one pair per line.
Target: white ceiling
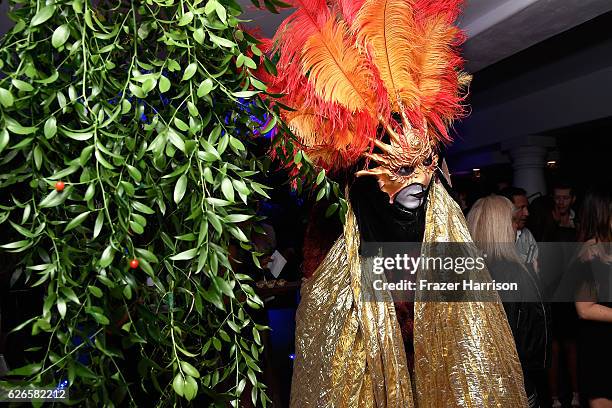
497,29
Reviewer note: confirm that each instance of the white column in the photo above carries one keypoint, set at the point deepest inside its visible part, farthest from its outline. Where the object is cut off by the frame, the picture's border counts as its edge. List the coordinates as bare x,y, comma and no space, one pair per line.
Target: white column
529,154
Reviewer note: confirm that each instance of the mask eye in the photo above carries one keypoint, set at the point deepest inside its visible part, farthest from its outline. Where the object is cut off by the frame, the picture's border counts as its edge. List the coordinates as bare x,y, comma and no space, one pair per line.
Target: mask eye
427,162
405,171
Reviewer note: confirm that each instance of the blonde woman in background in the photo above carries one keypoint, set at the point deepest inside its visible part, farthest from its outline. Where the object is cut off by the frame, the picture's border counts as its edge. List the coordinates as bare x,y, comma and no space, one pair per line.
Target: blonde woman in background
490,223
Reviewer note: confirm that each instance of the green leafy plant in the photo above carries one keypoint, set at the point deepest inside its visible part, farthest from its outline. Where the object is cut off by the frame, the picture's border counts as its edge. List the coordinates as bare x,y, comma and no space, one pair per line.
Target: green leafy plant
128,170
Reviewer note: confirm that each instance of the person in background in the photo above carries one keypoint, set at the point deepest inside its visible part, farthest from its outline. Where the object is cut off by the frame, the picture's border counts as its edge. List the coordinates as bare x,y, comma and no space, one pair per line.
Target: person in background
563,196
540,221
525,242
491,225
559,226
594,303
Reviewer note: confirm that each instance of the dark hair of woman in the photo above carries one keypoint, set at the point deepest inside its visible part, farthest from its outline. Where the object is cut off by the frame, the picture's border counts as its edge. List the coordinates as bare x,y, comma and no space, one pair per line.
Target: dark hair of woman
596,216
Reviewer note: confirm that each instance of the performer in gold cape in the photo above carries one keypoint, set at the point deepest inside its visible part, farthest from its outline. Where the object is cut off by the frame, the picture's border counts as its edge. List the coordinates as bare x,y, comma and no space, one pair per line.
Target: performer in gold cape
376,84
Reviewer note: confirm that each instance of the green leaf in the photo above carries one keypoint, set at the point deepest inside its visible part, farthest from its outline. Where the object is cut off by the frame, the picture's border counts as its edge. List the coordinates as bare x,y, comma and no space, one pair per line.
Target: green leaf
148,85
180,188
249,63
227,189
189,369
320,194
191,388
146,266
176,139
4,138
127,292
258,188
37,157
65,172
224,286
320,177
181,125
6,98
164,84
208,175
331,210
221,13
237,217
178,384
100,318
60,35
53,199
211,5
85,155
43,15
258,84
205,87
98,224
236,144
96,291
100,158
240,60
70,295
252,378
185,255
148,255
16,128
140,207
199,36
27,370
23,231
61,307
128,187
78,220
214,220
139,219
193,110
189,71
238,234
126,106
245,94
50,127
134,173
256,336
137,228
107,257
222,42
80,135
256,50
22,85
185,19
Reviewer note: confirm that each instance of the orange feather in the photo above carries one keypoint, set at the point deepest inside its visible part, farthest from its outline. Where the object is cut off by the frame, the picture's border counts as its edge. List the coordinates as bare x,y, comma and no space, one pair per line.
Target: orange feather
386,28
336,69
438,65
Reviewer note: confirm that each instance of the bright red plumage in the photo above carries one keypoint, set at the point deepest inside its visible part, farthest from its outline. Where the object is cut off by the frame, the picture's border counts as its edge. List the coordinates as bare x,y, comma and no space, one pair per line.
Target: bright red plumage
321,73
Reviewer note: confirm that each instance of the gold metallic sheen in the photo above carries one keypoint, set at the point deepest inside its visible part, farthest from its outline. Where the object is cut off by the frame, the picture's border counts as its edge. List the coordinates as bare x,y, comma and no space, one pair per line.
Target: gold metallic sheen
465,354
350,353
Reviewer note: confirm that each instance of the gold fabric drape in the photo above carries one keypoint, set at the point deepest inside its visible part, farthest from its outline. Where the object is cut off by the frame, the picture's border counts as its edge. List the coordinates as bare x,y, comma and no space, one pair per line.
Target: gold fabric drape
350,353
464,353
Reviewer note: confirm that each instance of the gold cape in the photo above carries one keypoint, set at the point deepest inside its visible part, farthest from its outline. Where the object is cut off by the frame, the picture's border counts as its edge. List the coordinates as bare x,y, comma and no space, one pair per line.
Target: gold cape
350,353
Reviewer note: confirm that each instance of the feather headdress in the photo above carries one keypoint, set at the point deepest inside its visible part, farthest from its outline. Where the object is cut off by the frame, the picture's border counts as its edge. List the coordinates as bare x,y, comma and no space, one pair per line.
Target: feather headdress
351,67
